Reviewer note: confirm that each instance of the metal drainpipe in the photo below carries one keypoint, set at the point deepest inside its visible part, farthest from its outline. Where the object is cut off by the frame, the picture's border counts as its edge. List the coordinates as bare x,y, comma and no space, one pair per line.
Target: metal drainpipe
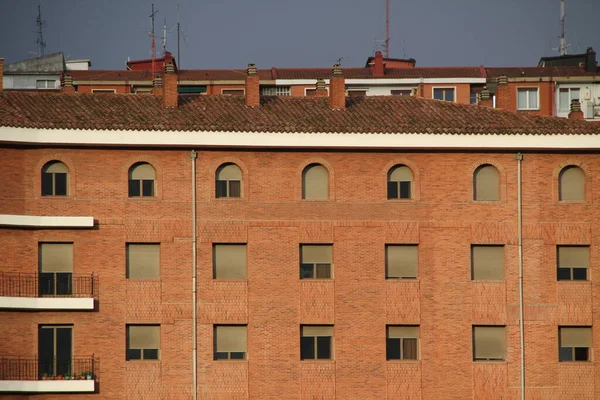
520,229
193,156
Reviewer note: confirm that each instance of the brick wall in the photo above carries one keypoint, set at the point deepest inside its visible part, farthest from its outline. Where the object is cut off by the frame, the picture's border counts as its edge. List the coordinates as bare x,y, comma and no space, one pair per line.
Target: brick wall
273,220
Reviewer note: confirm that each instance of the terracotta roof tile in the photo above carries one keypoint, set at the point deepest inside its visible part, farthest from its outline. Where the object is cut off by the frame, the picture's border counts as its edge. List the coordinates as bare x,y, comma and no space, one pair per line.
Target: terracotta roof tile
534,72
110,75
276,114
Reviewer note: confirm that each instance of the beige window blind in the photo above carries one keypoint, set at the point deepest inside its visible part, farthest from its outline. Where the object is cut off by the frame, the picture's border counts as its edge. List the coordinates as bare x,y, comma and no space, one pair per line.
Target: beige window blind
489,342
229,261
315,185
576,337
403,332
572,184
56,167
143,171
56,257
487,263
317,254
230,338
573,256
143,261
402,261
317,330
487,183
401,173
229,172
144,336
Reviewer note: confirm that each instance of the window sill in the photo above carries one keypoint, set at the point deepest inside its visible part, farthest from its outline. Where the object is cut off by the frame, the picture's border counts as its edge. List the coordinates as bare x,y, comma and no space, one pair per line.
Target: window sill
401,279
528,109
579,282
143,198
228,198
143,361
587,362
331,361
490,361
231,361
569,202
404,361
487,201
315,280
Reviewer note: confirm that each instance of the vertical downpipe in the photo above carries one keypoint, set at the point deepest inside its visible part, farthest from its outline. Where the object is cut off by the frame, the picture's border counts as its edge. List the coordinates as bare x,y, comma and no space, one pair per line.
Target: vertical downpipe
520,229
193,156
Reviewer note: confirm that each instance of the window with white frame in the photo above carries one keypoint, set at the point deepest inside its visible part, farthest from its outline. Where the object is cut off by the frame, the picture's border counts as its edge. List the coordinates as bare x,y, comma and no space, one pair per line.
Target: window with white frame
275,90
445,94
527,99
565,96
45,84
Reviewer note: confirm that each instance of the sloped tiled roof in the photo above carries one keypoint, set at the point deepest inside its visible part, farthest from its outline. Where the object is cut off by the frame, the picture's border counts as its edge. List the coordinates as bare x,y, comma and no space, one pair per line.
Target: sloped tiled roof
276,114
111,75
534,72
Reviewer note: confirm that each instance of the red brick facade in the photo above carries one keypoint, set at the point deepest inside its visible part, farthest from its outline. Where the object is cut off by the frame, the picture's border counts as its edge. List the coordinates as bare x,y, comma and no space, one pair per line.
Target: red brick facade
273,220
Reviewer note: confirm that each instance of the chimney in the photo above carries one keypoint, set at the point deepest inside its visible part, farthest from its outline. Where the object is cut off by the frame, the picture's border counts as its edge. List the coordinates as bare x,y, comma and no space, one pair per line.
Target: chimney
67,84
485,99
252,86
1,74
169,83
337,88
503,100
321,89
590,60
576,112
378,67
157,85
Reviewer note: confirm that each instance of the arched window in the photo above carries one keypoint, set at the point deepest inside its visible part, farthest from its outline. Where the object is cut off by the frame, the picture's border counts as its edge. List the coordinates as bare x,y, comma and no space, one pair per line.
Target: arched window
229,181
142,180
399,182
55,179
571,184
486,183
315,182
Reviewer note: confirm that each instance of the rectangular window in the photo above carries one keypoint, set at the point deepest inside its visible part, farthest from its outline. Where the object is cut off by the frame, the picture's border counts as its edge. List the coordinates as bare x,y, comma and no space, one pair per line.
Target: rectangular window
401,261
316,261
487,263
527,98
565,96
401,92
191,89
230,342
316,342
56,269
445,94
233,92
575,343
229,261
488,342
402,342
143,342
275,91
573,262
143,261
45,84
104,91
55,350
357,93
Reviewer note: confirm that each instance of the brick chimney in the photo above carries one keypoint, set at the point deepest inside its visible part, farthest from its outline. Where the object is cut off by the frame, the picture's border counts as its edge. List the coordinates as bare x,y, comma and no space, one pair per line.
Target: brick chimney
576,112
485,99
157,85
321,88
337,88
1,74
170,92
503,100
378,67
67,84
252,86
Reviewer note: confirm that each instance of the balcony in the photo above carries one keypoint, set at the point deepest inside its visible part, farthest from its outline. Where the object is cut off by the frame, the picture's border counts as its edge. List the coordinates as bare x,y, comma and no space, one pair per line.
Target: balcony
34,375
47,291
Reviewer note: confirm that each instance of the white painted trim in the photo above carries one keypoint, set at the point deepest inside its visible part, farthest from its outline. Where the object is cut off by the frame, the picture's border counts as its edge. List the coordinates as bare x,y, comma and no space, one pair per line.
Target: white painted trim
385,81
120,138
46,303
48,386
46,221
537,90
445,87
104,90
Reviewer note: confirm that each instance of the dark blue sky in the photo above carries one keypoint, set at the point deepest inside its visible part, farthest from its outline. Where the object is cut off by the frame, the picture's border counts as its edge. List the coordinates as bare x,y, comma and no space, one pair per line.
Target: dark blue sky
301,33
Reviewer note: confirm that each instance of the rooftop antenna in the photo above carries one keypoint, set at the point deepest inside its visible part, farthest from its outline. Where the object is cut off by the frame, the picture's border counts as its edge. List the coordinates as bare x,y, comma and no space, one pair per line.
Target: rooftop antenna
563,41
40,34
153,41
164,38
178,34
387,28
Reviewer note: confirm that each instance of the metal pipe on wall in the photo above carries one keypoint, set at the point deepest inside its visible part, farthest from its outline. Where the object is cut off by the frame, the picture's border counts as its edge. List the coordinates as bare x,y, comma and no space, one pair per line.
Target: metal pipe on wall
520,234
193,157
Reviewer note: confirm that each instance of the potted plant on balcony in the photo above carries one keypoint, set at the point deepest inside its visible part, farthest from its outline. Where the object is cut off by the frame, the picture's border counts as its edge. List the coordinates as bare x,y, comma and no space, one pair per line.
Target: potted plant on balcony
67,377
89,375
45,377
59,377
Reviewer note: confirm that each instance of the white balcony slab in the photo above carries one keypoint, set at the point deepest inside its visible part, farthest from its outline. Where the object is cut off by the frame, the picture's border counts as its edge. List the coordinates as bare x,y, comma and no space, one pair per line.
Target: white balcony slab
62,386
37,221
47,303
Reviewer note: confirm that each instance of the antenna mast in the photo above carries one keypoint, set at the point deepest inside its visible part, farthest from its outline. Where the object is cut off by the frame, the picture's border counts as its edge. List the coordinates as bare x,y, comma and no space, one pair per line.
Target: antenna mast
178,33
153,41
164,38
387,28
563,41
40,33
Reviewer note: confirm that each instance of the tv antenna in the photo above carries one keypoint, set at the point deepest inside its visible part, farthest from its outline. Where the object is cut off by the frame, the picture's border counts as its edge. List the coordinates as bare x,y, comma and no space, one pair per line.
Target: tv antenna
40,34
562,48
387,28
153,39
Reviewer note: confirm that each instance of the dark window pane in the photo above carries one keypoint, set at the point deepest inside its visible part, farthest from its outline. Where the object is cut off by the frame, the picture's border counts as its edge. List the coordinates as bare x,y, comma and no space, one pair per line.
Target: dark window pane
235,355
60,184
579,274
405,190
46,283
307,348
150,354
409,349
221,189
449,95
392,190
306,271
581,354
47,189
148,188
134,188
64,283
46,350
565,354
323,347
323,271
134,354
64,353
235,189
393,349
221,355
564,274
438,94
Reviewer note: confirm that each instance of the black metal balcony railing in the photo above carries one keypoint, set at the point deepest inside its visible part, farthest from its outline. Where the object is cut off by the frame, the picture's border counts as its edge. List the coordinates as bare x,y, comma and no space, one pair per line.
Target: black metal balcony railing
34,368
53,284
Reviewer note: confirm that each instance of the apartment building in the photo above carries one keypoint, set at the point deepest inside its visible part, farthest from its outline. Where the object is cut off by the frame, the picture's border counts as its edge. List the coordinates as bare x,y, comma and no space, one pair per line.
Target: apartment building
271,247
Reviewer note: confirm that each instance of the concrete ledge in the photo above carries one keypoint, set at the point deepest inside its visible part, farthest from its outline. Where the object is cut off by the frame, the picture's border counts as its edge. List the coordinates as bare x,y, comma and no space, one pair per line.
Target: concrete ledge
62,386
35,221
46,303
